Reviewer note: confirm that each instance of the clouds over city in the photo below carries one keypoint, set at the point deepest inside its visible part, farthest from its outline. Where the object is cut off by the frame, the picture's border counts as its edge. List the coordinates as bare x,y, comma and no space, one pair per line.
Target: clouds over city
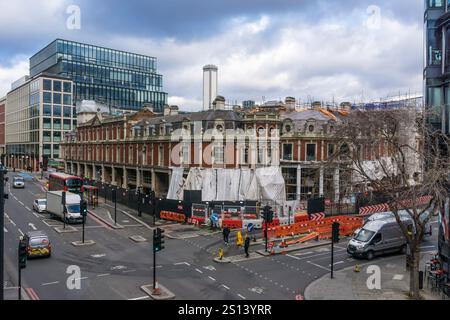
307,49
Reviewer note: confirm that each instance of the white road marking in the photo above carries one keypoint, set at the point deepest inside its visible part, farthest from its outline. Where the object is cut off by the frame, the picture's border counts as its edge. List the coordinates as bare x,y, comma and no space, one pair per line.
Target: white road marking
212,278
83,278
21,203
28,208
242,297
50,283
225,287
210,268
336,263
98,255
293,257
20,231
398,277
199,271
31,225
317,265
35,214
181,263
129,271
304,253
104,275
4,229
118,268
140,298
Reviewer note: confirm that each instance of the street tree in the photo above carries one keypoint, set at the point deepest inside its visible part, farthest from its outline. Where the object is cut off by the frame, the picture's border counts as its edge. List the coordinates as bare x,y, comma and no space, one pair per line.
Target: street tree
401,158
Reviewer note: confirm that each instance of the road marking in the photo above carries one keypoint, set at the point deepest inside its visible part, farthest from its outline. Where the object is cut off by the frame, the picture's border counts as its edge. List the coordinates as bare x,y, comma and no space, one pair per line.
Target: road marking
104,275
35,214
212,278
293,257
199,271
98,255
242,297
339,262
181,263
304,253
50,283
398,277
140,298
32,226
21,203
225,287
83,278
118,268
28,208
20,231
317,265
128,271
210,268
4,229
32,294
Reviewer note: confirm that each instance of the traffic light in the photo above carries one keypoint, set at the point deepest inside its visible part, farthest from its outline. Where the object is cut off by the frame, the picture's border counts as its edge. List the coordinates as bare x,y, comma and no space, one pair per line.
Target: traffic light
113,195
23,254
83,208
158,236
335,232
268,214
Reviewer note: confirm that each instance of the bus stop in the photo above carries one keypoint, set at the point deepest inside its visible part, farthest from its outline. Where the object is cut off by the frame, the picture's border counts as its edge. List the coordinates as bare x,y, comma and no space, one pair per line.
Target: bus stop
90,194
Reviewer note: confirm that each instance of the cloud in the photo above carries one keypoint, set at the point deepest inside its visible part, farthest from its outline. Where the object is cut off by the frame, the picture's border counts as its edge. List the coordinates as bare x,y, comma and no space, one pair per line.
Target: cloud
274,57
17,68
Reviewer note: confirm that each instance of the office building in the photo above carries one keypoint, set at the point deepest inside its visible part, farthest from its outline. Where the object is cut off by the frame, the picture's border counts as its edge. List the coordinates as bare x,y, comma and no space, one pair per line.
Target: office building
120,79
2,127
39,111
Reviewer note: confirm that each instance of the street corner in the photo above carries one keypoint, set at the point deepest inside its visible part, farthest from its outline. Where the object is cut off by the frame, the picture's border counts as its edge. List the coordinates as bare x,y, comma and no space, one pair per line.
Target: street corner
160,293
86,243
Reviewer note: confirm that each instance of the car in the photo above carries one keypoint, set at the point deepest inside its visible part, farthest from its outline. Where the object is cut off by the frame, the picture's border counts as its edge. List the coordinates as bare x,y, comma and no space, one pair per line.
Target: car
40,205
38,244
18,182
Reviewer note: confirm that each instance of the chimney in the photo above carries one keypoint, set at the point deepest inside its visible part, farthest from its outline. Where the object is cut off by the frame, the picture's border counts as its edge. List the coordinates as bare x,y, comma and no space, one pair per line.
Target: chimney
290,103
317,105
346,106
174,110
219,103
166,110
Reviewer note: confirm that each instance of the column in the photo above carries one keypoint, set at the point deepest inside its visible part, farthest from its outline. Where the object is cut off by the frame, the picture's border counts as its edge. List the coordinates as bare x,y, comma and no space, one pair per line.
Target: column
86,172
103,173
299,182
138,178
125,178
94,172
321,182
153,180
336,185
113,176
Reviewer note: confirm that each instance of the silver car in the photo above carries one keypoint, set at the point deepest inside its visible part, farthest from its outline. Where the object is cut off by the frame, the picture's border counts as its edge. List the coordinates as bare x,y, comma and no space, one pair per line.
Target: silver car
40,205
18,182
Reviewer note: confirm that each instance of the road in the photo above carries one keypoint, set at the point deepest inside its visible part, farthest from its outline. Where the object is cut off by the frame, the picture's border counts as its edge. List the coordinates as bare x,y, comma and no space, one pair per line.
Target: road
115,267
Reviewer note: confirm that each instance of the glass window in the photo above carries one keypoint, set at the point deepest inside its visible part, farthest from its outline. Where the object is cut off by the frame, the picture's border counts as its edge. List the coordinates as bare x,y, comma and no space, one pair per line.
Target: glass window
67,112
47,123
287,152
47,85
56,110
67,99
47,136
74,123
47,97
47,149
56,136
310,152
57,124
47,110
57,86
57,98
66,124
67,87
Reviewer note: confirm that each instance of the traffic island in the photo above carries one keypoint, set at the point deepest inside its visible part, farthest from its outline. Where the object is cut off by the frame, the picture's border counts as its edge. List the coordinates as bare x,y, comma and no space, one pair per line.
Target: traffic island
292,248
161,293
238,258
106,221
86,243
68,229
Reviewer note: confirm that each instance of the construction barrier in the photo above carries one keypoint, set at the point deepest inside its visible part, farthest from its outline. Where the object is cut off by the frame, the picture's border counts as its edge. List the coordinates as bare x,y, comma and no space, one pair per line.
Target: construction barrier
172,216
323,227
384,207
231,223
257,223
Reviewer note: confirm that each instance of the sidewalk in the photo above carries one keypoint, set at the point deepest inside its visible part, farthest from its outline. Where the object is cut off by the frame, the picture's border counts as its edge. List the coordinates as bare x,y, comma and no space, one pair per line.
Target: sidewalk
349,285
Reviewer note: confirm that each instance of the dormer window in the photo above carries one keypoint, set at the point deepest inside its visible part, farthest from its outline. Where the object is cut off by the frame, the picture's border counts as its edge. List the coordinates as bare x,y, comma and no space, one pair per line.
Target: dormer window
219,128
288,128
311,128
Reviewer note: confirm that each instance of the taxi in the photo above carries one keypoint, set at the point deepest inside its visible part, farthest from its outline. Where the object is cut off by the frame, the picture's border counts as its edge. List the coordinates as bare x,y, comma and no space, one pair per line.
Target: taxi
38,244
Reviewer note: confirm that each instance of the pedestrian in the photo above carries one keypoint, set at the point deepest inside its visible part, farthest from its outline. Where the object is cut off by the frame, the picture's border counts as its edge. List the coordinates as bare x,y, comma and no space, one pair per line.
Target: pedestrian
226,235
247,245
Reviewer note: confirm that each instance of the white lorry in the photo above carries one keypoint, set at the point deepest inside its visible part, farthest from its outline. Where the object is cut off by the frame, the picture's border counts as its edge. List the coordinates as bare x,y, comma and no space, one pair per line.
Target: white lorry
56,209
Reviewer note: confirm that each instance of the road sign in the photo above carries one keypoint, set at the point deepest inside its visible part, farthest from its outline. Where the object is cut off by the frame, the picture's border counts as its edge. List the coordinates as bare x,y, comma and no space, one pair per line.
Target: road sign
214,218
250,227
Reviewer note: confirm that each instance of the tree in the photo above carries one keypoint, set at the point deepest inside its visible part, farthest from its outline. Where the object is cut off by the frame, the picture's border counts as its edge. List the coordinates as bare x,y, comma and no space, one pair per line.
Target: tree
404,160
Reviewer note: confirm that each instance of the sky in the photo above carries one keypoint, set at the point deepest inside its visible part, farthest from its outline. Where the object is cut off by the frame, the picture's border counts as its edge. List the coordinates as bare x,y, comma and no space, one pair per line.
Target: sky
324,50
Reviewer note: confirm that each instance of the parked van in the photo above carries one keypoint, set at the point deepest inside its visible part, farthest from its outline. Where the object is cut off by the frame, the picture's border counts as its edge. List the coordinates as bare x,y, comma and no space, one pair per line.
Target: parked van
379,237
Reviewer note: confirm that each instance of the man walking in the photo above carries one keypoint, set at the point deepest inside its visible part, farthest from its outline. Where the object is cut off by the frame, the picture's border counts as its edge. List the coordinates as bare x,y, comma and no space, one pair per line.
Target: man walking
247,245
226,235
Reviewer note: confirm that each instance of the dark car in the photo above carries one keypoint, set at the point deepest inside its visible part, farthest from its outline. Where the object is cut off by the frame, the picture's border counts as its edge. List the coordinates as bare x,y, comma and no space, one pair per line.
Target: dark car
38,244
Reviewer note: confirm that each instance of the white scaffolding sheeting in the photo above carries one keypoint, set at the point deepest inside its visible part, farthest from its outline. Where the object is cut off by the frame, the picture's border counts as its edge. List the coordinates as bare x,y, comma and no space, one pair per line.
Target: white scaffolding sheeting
231,184
271,184
176,184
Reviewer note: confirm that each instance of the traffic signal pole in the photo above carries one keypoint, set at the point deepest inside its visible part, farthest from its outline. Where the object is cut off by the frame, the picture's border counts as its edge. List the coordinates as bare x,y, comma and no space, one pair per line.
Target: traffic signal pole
154,259
332,258
2,233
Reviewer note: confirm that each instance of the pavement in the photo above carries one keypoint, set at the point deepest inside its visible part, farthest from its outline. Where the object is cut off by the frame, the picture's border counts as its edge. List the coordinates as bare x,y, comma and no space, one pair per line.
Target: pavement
350,285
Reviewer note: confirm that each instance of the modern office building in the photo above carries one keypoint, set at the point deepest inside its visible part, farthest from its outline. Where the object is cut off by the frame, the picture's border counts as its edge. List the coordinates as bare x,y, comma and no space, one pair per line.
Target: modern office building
437,62
210,84
120,79
2,127
39,111
437,89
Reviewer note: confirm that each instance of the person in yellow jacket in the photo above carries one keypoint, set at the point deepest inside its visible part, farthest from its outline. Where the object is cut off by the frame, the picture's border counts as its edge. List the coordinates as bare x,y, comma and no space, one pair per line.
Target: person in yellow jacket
239,239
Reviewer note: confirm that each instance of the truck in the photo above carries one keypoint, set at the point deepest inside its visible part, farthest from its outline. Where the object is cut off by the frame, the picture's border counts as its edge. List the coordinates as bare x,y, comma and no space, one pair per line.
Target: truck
72,208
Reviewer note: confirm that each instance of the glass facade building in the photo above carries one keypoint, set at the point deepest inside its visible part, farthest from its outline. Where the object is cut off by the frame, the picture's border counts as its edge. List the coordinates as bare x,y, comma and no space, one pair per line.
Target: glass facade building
121,79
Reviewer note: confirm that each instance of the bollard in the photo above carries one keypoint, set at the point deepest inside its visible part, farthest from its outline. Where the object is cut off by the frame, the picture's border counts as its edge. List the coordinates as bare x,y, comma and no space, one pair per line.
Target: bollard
357,268
220,253
239,239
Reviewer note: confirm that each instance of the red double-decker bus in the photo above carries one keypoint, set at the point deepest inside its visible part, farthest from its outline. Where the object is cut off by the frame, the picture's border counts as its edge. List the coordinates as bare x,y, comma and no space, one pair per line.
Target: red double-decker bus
65,182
